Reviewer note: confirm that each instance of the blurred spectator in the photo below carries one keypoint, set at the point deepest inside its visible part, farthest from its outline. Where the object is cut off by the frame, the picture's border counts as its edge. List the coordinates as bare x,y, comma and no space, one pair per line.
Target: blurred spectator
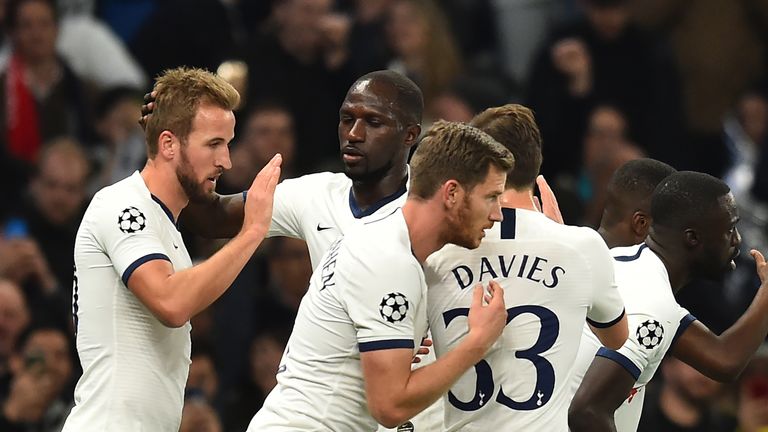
682,402
39,396
268,129
720,49
194,33
203,381
603,59
124,149
465,98
753,394
746,135
198,416
14,318
300,60
368,47
424,47
42,98
266,351
289,273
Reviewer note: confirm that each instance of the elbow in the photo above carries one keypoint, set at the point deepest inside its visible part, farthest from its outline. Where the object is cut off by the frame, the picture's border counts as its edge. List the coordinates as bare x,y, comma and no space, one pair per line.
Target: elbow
171,316
725,372
582,418
388,416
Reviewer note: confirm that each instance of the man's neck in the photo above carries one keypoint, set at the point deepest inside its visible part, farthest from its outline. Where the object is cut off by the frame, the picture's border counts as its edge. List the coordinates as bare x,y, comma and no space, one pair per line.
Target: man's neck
678,271
520,199
424,226
162,183
369,193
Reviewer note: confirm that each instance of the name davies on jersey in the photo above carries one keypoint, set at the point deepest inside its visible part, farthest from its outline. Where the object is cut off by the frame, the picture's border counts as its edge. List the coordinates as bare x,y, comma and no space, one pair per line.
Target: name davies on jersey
533,268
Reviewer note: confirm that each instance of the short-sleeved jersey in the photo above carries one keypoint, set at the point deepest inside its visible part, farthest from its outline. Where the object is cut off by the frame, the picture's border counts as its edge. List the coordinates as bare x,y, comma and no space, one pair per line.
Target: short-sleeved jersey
318,208
134,367
368,293
554,277
654,318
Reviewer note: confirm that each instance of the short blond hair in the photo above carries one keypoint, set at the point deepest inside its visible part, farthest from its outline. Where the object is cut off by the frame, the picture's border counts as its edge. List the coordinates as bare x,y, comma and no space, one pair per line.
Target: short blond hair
455,151
180,92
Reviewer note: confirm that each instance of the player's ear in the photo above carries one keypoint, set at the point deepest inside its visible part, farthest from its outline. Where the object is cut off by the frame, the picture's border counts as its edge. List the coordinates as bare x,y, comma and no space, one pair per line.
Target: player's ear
640,224
412,133
165,144
451,192
692,238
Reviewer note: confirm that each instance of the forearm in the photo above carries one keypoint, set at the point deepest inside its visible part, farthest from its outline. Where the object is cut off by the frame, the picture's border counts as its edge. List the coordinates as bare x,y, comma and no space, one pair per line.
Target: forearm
726,355
221,217
188,292
427,384
591,420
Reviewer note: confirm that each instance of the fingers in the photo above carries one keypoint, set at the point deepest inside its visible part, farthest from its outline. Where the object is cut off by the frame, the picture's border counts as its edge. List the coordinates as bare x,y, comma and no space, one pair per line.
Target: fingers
759,258
477,296
549,205
537,204
426,342
497,294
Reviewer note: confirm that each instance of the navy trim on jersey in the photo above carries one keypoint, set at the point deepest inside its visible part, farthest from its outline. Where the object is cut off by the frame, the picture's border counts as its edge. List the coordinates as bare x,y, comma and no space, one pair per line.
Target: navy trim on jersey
136,264
628,258
165,209
509,223
385,344
357,212
621,360
245,196
608,324
684,323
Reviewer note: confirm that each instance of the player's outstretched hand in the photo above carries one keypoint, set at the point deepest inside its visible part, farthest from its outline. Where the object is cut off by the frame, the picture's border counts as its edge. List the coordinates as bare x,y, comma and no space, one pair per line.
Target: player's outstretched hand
487,315
423,350
258,205
548,204
760,265
147,108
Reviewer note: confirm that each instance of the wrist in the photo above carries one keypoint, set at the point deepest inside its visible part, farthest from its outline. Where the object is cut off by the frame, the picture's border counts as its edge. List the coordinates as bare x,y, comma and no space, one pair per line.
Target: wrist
475,346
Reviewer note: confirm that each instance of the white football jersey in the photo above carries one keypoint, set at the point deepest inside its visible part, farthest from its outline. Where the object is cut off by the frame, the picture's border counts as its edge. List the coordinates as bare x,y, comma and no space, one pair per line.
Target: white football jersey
134,367
655,321
554,276
368,293
318,208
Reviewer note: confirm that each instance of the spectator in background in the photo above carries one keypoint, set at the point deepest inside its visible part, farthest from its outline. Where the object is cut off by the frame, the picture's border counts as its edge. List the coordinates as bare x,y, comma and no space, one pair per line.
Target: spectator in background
124,150
199,416
424,47
368,47
203,381
682,402
752,412
14,318
604,58
266,351
41,97
269,129
38,397
300,60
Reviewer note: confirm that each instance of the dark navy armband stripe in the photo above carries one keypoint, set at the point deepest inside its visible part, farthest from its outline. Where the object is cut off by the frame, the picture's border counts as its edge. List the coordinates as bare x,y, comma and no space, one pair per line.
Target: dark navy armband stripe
608,324
621,360
385,344
684,323
136,264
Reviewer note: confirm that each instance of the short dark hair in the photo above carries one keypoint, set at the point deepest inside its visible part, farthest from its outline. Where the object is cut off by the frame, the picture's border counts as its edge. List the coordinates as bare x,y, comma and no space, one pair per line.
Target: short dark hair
36,327
410,99
638,178
515,128
686,197
13,6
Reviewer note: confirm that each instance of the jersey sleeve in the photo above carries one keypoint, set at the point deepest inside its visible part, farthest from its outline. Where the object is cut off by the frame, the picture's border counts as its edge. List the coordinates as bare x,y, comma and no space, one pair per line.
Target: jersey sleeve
382,301
644,348
129,234
290,196
686,319
607,306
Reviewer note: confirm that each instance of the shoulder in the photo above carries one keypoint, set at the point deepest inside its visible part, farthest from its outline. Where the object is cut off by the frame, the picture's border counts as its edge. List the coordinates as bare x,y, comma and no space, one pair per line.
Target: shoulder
317,181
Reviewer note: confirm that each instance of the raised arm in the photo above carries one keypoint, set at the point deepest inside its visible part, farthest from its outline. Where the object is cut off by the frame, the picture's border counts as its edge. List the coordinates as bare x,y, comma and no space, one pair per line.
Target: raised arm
221,217
723,357
396,394
605,386
174,297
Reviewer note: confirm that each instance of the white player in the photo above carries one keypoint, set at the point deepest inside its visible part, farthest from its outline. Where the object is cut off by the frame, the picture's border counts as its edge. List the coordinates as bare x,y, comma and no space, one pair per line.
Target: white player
554,276
135,288
693,234
379,123
347,364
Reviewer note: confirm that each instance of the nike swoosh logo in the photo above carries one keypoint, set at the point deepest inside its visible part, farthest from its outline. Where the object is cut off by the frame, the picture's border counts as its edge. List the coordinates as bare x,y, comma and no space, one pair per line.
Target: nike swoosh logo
322,228
174,245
